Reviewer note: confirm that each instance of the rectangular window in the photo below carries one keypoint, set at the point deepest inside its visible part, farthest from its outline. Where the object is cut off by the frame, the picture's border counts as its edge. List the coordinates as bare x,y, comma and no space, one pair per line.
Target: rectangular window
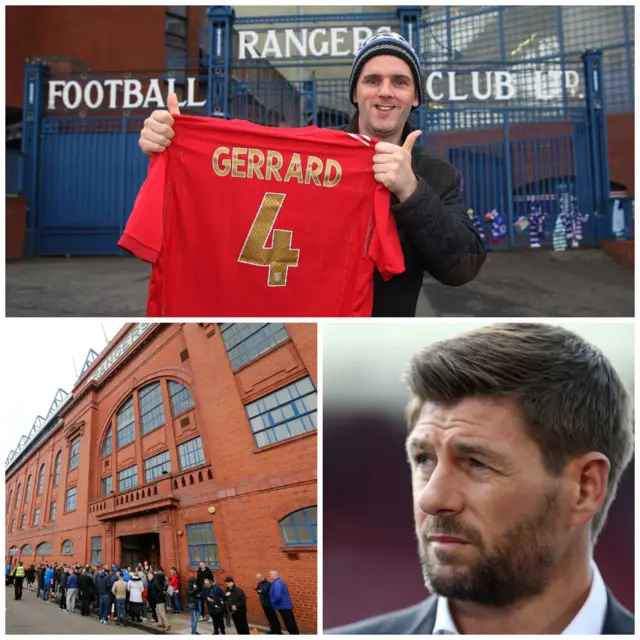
286,413
13,526
128,478
151,410
23,522
36,517
53,511
96,549
190,453
106,447
107,486
153,467
245,341
126,428
202,545
74,453
70,504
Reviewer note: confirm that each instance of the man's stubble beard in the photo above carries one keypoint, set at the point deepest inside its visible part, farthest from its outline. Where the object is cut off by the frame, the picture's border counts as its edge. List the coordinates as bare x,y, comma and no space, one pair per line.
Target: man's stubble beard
517,567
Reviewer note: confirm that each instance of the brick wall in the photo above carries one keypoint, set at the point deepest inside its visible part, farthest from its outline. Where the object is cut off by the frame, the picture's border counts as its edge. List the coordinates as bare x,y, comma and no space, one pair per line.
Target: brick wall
16,225
251,489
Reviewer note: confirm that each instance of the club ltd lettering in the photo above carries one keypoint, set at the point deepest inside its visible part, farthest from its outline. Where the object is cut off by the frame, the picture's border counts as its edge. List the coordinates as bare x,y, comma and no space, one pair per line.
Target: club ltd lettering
240,162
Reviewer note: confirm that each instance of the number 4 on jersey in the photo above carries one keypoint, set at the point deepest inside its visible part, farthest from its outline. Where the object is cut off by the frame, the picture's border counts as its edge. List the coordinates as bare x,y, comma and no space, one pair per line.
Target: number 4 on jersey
279,256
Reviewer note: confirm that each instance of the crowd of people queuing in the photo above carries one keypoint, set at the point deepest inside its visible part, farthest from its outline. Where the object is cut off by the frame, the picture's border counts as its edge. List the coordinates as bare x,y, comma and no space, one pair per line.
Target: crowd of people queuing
146,594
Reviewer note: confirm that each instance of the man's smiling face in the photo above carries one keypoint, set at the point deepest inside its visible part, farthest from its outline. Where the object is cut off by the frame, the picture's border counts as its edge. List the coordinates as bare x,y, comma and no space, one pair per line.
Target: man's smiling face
385,94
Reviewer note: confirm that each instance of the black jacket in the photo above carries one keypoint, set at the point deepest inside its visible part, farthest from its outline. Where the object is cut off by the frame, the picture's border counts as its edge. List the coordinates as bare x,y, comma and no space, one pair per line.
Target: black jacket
201,576
85,582
157,586
235,596
421,618
63,580
436,234
263,589
193,595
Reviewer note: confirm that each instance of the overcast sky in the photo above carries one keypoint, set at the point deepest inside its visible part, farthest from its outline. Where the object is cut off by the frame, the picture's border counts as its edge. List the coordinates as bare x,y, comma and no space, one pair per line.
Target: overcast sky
39,359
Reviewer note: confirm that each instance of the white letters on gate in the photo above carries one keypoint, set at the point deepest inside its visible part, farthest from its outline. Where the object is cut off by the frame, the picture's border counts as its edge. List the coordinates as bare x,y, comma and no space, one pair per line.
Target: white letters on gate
132,88
154,94
87,94
475,85
248,41
430,92
78,95
55,91
271,46
324,50
504,80
113,88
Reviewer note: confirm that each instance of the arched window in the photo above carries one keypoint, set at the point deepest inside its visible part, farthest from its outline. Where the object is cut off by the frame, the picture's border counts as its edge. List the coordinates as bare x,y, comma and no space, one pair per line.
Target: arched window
18,495
106,446
41,480
44,549
13,551
10,499
67,548
27,550
56,472
151,409
300,527
180,397
27,493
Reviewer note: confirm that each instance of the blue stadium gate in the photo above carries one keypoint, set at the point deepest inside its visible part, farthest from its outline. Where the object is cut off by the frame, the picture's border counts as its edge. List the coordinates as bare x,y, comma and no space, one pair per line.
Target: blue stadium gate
529,136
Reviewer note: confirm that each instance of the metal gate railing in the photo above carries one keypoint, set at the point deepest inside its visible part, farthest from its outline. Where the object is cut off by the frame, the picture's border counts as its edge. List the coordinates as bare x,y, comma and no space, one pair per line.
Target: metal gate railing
528,137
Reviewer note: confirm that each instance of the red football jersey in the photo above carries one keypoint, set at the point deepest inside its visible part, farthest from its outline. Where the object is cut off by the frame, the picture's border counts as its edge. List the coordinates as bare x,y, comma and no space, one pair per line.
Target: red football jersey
241,220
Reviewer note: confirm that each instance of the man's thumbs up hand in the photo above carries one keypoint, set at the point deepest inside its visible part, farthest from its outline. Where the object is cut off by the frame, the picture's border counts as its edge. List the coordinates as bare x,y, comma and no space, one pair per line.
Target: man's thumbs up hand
392,166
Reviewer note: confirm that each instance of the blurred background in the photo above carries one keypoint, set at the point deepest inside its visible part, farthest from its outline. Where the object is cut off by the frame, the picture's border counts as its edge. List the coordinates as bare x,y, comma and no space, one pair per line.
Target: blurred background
371,562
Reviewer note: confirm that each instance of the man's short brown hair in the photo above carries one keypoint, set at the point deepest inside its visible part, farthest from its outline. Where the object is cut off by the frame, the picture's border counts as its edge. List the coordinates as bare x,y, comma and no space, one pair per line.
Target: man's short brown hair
571,397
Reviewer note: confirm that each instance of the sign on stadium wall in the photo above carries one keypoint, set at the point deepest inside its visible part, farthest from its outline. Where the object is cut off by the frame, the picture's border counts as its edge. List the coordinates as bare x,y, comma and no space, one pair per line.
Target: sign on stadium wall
440,86
121,348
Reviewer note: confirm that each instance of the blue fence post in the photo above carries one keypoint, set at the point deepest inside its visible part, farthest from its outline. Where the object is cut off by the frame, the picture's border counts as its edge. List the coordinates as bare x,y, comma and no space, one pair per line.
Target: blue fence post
597,120
410,25
410,28
35,74
220,20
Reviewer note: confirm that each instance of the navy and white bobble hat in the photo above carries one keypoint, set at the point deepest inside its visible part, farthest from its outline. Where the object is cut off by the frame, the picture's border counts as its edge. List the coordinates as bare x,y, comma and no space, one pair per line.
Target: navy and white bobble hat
386,43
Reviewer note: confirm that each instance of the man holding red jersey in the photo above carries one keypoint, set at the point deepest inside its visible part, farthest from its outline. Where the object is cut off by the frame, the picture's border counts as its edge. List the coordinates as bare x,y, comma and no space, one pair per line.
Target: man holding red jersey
435,231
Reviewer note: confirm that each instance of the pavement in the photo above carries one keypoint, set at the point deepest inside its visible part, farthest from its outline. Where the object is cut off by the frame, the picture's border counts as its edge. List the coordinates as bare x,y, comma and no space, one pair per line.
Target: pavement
578,283
32,616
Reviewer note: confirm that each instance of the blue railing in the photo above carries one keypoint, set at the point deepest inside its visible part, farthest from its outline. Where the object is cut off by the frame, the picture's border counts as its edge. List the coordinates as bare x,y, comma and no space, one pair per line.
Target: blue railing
13,172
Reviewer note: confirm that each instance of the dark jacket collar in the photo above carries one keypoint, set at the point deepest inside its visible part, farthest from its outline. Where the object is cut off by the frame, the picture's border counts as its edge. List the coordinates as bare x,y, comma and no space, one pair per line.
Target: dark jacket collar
617,621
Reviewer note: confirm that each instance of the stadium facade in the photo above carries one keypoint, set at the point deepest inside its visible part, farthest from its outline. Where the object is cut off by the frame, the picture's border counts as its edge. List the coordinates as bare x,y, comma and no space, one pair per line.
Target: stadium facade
533,104
180,443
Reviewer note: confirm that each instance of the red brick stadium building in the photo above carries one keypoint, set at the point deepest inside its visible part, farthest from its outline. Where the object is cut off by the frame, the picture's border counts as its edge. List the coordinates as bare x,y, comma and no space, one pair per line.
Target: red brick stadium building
181,443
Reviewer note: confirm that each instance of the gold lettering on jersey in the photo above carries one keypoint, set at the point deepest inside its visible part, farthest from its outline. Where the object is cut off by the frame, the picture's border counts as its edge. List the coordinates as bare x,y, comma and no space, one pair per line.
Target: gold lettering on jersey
223,168
328,181
295,169
255,161
274,164
314,169
271,166
279,256
237,163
